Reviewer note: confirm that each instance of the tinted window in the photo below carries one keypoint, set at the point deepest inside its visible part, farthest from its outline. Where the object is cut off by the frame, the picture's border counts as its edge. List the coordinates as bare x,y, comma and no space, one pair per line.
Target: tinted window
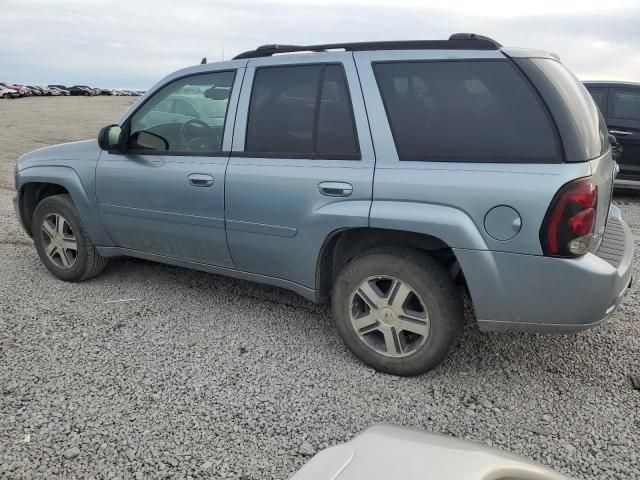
336,133
600,97
464,111
584,111
187,115
301,110
625,104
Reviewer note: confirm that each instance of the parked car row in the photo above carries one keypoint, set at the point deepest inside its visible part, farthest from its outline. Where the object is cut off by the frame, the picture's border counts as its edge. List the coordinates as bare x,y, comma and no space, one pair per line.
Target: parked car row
10,90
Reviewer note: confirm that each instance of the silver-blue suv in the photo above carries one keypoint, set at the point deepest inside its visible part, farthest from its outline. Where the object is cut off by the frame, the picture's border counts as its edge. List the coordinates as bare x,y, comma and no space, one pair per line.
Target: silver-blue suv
385,178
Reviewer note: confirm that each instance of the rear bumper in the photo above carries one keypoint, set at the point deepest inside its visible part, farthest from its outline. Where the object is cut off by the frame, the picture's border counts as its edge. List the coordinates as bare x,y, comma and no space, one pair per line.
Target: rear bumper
544,294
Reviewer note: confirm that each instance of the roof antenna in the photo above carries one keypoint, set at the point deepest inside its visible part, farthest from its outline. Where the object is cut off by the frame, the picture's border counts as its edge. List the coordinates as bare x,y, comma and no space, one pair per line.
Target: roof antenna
204,60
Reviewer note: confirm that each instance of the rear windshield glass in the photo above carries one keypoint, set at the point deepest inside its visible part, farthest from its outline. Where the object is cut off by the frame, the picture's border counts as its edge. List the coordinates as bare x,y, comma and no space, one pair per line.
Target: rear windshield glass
584,111
465,111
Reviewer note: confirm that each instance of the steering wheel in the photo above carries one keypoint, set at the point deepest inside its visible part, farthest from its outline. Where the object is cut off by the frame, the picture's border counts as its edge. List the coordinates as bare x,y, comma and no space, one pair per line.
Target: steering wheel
198,136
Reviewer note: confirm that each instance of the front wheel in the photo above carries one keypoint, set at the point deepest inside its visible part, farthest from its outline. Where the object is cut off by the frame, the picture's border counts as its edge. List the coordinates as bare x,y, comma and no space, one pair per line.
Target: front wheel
5,96
62,242
397,310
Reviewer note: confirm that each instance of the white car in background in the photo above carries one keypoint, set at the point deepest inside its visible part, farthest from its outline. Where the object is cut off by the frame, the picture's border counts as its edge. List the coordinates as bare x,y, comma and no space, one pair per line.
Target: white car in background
58,91
8,92
387,452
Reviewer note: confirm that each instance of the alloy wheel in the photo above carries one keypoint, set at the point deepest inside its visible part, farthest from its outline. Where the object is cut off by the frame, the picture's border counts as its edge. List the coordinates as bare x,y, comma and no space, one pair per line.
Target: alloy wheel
59,241
389,316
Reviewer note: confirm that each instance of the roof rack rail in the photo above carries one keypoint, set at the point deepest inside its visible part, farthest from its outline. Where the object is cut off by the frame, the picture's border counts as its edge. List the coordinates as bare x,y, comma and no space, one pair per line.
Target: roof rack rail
457,41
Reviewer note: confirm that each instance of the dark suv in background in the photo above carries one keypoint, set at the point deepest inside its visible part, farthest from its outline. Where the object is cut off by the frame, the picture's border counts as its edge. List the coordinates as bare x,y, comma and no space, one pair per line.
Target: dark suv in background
619,102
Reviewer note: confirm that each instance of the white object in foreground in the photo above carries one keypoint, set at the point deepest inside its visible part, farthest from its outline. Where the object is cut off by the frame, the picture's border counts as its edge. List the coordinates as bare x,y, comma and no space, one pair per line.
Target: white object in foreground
389,452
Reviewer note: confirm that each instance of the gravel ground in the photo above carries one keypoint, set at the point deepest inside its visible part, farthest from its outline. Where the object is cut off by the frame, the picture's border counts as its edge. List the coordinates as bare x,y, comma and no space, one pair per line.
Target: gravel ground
202,376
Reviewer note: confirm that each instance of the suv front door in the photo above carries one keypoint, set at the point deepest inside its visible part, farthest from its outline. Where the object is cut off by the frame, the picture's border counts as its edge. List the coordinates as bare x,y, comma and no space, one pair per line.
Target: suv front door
301,165
165,194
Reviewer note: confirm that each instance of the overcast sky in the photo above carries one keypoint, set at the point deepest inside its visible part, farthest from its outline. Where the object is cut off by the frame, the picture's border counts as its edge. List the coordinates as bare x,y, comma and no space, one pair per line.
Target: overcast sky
133,43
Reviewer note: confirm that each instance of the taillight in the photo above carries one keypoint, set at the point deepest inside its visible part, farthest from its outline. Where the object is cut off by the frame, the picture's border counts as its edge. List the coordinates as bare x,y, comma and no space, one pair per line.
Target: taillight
567,230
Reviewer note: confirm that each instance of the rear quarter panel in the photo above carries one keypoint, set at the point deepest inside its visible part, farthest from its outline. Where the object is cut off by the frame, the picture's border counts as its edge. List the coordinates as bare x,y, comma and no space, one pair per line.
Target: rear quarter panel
468,190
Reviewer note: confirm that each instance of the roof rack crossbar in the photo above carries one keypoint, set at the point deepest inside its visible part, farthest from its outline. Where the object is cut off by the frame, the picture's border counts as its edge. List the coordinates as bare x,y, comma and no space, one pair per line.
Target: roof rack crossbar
457,41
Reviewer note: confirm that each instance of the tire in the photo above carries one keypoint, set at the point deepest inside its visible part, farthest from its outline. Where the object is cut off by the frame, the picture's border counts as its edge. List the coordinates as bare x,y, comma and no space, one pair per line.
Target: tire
425,301
64,263
6,96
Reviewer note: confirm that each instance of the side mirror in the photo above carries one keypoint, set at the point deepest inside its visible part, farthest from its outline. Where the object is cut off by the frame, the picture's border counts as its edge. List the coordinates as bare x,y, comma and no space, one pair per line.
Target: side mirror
109,138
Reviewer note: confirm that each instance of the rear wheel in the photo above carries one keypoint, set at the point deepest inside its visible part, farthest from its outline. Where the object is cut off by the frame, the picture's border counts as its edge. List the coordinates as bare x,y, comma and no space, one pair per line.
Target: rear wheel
62,242
5,96
397,310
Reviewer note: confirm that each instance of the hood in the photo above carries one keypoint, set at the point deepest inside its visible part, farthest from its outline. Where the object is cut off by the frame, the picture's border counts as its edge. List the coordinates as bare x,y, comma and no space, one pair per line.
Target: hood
64,154
383,452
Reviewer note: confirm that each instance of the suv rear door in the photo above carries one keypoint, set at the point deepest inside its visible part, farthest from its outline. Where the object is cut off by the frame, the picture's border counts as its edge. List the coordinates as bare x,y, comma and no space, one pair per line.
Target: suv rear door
623,120
301,165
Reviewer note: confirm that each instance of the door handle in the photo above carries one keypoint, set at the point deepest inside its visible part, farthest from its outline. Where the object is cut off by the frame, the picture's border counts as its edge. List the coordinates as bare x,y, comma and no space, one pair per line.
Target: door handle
200,180
620,133
335,189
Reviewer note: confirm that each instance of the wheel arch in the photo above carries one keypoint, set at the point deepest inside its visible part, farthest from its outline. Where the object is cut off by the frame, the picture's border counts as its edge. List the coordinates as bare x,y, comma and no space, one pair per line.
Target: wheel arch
31,194
343,245
37,183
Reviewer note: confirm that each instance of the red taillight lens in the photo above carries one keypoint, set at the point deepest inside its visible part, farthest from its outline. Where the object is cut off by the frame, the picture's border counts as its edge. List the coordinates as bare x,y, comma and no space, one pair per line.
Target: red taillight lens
567,230
582,222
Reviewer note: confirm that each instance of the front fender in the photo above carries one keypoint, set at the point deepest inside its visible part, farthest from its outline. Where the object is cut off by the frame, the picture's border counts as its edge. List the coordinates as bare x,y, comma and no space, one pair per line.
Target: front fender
68,178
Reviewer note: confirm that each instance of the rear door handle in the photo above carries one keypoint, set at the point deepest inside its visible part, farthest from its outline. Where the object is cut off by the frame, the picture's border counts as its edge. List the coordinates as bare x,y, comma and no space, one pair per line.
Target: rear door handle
200,180
621,133
335,189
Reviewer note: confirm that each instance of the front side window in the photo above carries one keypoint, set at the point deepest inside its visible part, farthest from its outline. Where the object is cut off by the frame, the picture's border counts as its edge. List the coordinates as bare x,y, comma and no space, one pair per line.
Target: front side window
301,110
187,115
465,111
625,104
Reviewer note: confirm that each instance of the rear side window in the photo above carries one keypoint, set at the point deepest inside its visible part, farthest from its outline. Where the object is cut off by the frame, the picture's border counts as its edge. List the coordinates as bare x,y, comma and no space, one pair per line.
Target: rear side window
625,104
585,114
599,96
466,111
302,111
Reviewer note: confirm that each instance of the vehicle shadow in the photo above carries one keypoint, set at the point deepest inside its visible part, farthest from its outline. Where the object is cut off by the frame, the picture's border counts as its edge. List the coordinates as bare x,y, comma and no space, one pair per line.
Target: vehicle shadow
478,353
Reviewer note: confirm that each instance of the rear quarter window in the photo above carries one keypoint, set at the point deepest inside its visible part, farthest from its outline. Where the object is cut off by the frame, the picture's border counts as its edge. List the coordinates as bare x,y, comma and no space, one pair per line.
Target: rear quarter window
465,111
586,115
